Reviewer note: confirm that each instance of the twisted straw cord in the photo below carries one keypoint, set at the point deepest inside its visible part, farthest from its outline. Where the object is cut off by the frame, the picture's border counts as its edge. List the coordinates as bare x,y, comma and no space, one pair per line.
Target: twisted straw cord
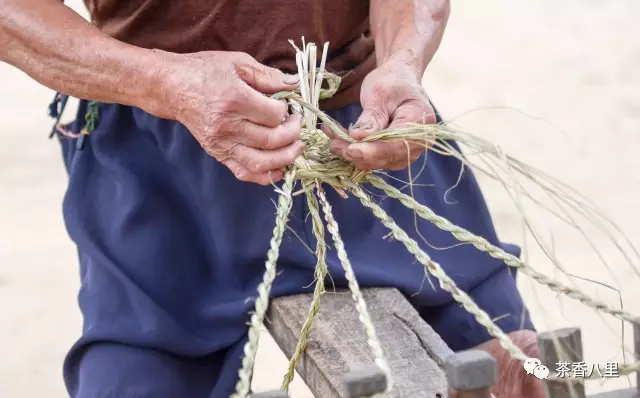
436,270
320,274
484,245
285,202
361,306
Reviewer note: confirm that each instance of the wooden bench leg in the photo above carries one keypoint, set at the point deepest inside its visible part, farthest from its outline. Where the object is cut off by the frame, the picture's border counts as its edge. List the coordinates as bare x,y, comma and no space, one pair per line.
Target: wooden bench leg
471,374
366,382
558,347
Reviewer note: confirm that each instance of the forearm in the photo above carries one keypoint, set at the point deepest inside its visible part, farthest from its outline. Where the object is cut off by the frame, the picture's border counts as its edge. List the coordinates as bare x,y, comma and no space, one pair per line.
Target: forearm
409,31
59,49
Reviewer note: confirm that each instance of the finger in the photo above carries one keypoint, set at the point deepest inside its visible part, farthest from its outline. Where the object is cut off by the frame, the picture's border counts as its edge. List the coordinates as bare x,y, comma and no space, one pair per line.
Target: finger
257,108
333,129
414,111
263,78
329,132
339,147
337,144
260,161
243,174
252,135
373,118
392,155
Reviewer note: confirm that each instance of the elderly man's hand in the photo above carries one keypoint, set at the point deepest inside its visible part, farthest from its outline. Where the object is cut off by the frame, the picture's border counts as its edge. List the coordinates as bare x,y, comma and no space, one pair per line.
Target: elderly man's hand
513,381
391,96
219,97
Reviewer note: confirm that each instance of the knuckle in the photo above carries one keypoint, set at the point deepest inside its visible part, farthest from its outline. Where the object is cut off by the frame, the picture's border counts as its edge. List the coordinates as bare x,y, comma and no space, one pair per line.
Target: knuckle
247,67
377,112
229,104
238,126
241,60
238,171
235,100
211,145
429,117
215,125
242,175
265,141
231,150
257,166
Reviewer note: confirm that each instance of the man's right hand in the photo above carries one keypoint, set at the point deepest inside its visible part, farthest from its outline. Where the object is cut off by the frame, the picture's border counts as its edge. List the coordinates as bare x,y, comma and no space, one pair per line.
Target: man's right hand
219,97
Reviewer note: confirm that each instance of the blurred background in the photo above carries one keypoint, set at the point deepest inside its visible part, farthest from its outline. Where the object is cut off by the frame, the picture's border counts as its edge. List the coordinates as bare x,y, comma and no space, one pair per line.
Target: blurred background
573,67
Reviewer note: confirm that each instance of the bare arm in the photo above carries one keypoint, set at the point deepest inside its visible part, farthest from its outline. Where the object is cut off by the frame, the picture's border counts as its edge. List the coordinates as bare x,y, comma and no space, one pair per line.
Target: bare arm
217,95
407,34
408,31
58,48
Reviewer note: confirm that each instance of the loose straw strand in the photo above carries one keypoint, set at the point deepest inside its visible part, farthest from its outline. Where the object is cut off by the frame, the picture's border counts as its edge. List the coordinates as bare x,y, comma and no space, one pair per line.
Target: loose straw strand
436,270
285,202
361,306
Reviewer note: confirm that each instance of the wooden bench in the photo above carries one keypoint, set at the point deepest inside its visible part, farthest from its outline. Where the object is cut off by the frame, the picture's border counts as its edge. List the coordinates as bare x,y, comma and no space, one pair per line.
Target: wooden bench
337,344
422,365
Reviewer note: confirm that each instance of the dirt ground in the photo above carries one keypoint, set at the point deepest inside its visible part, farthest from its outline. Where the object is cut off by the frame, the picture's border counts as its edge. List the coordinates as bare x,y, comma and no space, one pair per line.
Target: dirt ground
574,65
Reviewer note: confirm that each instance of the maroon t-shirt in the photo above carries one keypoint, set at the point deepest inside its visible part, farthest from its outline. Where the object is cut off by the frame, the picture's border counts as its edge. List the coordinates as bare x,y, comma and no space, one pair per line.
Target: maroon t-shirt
261,28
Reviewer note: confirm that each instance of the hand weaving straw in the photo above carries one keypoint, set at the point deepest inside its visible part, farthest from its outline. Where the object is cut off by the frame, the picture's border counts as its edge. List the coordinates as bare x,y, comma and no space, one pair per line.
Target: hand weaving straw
318,165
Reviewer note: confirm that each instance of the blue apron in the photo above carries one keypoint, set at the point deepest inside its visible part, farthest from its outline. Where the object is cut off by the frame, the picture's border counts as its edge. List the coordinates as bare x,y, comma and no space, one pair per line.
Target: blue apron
171,245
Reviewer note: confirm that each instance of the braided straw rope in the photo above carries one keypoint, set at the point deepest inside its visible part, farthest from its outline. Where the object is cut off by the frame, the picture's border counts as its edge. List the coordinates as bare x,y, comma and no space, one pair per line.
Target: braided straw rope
436,270
319,290
285,202
361,305
484,245
320,165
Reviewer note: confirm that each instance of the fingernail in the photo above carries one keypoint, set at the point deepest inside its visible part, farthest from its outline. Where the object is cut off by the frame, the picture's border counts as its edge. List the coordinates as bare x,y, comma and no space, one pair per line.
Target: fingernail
293,118
354,153
291,79
362,126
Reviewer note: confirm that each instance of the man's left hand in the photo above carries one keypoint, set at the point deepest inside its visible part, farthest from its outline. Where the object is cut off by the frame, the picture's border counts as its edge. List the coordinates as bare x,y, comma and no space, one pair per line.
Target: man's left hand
391,96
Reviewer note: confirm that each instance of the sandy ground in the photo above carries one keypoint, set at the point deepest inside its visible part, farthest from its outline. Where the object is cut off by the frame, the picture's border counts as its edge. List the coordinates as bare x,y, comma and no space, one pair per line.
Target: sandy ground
575,64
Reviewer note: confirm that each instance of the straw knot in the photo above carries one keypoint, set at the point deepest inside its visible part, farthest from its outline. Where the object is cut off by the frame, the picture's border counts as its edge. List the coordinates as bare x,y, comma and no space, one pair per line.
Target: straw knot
318,164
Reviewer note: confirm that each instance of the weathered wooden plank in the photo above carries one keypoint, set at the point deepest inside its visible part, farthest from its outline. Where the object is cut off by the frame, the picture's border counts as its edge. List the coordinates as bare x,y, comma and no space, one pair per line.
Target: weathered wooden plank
337,345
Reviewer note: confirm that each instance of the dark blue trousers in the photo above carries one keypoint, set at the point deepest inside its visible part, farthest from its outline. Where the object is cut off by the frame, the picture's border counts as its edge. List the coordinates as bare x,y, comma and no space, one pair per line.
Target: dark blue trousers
171,245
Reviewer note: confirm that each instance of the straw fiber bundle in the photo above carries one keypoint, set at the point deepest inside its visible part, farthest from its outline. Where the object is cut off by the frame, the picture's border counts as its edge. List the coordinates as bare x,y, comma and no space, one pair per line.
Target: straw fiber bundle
319,167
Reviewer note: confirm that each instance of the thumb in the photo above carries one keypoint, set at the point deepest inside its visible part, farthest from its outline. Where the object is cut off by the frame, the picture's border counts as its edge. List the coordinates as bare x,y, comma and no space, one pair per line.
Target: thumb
413,112
373,118
263,78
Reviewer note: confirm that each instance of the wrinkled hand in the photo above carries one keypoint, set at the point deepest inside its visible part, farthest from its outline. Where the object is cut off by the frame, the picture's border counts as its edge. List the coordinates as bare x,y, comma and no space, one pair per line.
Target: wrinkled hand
391,96
513,380
219,97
